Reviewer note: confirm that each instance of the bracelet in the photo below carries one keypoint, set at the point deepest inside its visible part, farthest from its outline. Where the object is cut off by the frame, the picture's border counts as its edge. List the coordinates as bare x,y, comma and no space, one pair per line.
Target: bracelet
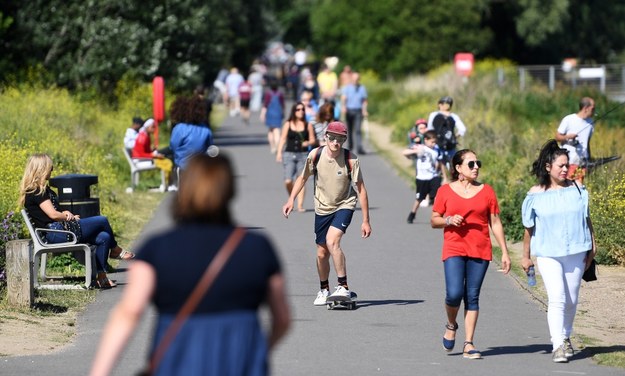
448,220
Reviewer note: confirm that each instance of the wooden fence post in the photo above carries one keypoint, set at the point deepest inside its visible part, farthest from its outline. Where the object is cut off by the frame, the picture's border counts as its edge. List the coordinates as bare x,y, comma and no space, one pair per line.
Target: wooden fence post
20,287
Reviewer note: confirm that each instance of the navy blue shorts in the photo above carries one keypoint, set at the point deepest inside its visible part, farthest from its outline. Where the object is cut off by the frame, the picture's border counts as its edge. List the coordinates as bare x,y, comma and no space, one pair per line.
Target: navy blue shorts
339,219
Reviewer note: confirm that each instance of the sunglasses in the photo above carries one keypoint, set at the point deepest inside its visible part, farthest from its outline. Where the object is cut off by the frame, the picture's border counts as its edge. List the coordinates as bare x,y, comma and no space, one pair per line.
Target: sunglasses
339,139
299,109
472,164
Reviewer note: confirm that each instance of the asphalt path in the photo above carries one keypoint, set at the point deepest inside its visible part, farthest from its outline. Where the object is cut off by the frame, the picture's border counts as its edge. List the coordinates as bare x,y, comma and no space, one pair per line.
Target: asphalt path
398,326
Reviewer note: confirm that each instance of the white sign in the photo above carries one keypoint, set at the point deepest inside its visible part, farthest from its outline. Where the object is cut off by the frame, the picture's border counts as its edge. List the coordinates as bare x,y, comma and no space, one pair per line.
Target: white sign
592,72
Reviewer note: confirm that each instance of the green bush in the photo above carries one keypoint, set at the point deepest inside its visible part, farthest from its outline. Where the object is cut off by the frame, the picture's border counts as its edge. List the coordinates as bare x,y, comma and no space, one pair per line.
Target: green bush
506,128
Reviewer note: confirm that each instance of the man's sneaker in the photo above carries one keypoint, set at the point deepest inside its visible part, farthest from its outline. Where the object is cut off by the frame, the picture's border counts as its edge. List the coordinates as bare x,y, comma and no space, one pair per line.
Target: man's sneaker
568,348
322,296
559,356
411,217
340,294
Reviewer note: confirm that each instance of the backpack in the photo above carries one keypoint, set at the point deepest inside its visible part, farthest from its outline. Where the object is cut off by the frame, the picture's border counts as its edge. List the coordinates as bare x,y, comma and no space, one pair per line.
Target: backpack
445,128
347,163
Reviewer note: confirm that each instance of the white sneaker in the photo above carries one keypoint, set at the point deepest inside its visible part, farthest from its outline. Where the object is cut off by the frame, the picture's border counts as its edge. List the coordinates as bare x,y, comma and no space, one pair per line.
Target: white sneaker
322,296
340,294
172,188
424,204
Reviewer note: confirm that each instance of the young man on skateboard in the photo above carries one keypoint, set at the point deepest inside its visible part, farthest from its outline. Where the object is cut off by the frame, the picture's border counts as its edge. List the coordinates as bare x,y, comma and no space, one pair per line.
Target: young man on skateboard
338,185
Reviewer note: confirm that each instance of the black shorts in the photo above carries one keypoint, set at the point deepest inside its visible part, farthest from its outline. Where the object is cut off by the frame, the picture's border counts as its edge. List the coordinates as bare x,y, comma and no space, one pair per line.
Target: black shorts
245,103
428,187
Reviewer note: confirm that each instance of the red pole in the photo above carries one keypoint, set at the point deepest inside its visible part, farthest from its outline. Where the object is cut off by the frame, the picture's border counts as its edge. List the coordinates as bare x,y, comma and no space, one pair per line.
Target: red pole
158,104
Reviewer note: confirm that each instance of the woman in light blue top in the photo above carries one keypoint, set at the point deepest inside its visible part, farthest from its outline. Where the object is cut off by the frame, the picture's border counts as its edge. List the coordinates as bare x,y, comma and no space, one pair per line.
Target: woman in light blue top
558,232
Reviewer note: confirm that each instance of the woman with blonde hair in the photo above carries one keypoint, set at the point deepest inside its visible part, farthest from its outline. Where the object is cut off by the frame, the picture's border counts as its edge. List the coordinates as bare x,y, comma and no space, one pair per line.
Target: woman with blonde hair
222,334
42,205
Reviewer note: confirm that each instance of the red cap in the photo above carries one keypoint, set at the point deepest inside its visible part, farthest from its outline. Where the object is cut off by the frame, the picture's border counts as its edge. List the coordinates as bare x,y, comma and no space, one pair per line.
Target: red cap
337,127
420,121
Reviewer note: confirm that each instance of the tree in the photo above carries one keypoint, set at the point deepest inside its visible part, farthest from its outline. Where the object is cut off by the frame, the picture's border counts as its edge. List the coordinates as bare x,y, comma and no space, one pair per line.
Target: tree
398,36
94,43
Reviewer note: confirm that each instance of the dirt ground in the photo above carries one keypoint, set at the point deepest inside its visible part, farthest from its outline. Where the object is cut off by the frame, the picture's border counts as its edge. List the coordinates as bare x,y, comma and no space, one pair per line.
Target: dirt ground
599,319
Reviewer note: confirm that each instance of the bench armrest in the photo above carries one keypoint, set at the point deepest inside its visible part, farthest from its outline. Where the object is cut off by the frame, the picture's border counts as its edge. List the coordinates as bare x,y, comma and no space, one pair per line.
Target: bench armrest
39,230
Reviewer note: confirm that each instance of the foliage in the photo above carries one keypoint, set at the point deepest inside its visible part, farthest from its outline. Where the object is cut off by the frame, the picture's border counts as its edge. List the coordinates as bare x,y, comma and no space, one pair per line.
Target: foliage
9,230
397,36
608,215
93,44
506,128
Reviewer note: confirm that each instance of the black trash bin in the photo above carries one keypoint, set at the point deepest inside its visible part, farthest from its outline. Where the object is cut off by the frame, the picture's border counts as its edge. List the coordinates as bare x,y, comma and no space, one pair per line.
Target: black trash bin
74,192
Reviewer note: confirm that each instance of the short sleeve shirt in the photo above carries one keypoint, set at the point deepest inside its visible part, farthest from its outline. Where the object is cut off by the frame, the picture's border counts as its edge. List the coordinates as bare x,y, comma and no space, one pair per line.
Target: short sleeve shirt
32,205
472,239
578,148
181,255
560,221
355,95
333,188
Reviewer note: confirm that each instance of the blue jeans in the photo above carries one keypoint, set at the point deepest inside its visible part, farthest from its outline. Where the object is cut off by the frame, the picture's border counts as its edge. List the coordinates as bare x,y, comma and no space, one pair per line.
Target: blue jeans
96,231
463,280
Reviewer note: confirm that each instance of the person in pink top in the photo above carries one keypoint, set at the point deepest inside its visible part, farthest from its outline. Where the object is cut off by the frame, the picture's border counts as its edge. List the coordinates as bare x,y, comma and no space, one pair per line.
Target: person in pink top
465,209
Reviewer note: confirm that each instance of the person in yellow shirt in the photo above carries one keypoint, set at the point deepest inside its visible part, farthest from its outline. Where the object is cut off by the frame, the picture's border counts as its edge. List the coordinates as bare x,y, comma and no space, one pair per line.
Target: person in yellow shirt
328,83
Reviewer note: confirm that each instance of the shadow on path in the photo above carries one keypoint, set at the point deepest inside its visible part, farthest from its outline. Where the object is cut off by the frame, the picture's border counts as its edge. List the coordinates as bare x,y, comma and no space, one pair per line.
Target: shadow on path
367,303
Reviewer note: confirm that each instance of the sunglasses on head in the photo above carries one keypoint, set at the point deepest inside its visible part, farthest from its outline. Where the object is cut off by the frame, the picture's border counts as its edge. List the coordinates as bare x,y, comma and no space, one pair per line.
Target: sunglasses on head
472,164
339,139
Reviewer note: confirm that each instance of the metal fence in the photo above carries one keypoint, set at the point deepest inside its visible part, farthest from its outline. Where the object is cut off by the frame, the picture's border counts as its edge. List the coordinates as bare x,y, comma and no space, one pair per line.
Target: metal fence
608,78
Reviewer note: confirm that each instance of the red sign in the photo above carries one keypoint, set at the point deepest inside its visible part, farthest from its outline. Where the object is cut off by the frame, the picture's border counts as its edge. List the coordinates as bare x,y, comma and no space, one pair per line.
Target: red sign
464,63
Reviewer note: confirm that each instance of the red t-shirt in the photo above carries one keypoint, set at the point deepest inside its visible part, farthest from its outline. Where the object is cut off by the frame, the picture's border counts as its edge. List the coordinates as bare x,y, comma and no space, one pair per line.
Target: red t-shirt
143,147
472,239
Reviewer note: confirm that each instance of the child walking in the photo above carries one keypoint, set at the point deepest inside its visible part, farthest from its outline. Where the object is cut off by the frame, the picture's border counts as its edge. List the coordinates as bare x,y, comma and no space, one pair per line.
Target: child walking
429,169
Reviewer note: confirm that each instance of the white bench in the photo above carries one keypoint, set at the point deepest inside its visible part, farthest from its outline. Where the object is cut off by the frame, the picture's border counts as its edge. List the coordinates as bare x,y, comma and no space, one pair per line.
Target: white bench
40,250
138,165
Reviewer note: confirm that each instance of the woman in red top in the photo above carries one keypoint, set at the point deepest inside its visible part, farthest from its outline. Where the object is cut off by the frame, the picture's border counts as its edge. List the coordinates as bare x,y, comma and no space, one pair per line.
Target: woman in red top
143,150
465,208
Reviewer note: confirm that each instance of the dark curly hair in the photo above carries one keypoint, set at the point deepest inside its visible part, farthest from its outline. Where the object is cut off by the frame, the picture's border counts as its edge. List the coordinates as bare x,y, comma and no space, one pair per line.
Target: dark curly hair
189,110
548,154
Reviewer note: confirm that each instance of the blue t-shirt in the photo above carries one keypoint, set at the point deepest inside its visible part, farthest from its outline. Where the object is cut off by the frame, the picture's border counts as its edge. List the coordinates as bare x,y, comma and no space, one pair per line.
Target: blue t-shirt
189,139
181,255
560,221
354,96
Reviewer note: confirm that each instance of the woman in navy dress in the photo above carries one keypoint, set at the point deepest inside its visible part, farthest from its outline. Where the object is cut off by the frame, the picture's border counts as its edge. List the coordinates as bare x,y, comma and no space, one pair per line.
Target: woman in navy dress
223,335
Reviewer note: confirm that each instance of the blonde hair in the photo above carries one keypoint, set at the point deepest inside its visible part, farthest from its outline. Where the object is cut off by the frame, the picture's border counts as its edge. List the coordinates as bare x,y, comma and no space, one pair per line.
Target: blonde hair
36,174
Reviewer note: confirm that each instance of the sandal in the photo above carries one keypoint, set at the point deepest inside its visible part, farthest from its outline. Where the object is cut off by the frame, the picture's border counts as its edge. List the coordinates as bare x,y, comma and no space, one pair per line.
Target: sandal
471,354
104,283
123,255
448,344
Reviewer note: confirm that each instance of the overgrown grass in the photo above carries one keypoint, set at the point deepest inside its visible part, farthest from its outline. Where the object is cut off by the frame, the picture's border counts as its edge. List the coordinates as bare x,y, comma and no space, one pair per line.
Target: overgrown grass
506,128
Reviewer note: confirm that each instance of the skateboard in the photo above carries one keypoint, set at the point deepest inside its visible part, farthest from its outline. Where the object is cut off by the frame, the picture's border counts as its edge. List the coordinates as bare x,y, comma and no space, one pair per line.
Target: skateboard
340,302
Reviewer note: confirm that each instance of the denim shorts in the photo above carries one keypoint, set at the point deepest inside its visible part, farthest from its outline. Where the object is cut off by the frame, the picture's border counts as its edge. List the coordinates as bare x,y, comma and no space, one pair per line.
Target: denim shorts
293,164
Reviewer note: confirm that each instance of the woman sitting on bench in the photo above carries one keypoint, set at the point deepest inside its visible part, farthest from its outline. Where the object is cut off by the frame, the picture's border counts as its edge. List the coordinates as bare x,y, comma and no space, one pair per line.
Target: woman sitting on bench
42,206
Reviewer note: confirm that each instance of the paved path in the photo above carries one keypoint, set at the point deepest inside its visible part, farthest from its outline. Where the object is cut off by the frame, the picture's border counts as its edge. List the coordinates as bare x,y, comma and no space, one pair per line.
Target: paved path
397,273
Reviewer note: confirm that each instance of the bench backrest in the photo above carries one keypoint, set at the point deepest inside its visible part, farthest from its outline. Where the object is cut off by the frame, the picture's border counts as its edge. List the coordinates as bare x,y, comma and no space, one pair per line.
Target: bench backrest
31,229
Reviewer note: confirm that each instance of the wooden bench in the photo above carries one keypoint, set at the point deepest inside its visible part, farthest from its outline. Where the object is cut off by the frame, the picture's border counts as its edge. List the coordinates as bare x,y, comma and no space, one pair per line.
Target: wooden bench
138,165
40,249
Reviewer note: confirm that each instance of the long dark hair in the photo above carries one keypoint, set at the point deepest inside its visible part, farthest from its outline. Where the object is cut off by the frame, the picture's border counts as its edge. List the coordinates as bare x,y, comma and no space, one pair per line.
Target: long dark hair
458,159
292,117
206,190
548,154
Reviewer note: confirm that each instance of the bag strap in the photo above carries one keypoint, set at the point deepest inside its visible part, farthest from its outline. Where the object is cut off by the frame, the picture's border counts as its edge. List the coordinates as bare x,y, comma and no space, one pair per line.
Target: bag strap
209,276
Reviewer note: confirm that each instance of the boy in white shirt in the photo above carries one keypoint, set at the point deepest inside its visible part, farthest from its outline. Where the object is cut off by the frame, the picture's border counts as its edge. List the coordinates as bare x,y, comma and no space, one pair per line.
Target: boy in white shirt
428,164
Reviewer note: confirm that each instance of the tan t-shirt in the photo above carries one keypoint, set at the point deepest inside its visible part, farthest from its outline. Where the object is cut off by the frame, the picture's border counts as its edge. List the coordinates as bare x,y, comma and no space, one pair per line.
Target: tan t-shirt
333,188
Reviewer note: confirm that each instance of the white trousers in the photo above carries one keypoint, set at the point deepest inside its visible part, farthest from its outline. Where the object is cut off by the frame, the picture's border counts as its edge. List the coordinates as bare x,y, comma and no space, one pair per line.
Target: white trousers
562,277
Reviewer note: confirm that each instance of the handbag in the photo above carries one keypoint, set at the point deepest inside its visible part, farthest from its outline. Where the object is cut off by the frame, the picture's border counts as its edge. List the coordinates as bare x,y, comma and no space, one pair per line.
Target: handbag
590,274
207,279
73,226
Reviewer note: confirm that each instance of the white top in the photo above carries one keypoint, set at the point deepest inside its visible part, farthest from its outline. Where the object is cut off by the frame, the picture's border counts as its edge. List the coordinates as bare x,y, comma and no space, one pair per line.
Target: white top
130,137
577,147
426,163
461,129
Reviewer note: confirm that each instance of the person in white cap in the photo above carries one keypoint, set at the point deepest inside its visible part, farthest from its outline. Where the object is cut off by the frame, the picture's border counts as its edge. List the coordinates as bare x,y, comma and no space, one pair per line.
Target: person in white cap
338,185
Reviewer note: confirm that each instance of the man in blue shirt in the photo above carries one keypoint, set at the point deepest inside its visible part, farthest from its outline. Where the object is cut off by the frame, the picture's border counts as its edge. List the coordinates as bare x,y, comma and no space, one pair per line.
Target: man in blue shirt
354,107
